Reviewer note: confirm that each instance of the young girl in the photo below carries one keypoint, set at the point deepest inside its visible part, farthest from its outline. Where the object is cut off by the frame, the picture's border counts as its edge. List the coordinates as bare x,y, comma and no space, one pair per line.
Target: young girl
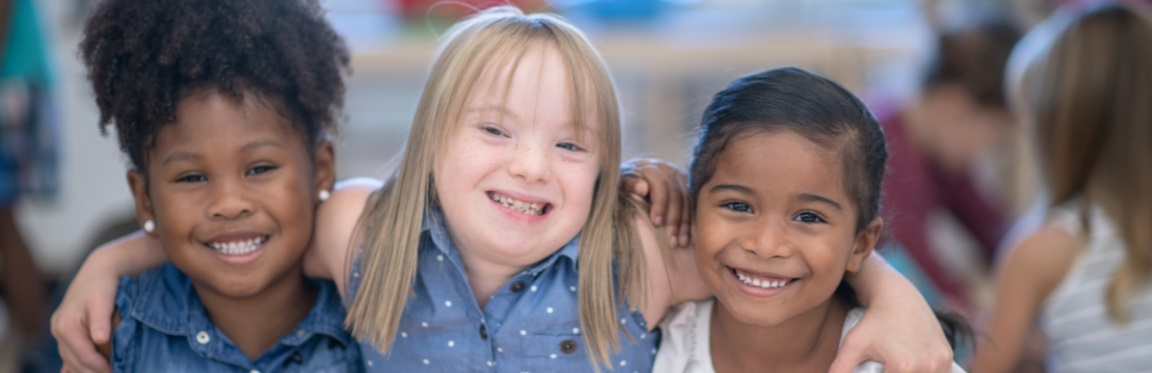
1084,87
786,176
223,108
506,249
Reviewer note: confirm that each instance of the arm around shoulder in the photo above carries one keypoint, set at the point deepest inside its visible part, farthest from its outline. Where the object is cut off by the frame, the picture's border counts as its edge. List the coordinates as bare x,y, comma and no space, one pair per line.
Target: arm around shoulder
336,221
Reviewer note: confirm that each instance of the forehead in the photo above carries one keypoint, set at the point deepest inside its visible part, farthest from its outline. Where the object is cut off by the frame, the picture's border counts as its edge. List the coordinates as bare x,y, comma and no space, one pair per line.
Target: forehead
537,85
781,162
211,119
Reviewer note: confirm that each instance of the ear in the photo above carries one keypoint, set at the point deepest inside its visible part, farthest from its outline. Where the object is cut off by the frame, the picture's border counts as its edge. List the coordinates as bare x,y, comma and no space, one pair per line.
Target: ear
139,185
325,167
865,243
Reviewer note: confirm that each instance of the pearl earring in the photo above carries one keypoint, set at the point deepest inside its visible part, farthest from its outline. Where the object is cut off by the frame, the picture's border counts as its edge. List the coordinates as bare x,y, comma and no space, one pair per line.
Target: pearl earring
324,194
149,226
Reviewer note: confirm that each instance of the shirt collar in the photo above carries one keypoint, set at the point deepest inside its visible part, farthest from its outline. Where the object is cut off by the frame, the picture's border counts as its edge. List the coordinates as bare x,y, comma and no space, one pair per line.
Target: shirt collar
167,302
434,226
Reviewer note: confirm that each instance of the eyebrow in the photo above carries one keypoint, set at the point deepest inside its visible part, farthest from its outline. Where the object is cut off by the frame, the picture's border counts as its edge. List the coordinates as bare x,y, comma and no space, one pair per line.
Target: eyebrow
189,156
808,197
732,187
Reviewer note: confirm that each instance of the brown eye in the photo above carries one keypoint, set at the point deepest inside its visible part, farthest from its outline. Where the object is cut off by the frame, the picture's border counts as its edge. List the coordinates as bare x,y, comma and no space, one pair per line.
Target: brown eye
260,169
737,206
808,217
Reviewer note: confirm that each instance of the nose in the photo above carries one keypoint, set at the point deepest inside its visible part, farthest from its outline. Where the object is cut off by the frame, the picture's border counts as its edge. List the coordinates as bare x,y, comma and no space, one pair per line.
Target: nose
531,162
768,239
229,199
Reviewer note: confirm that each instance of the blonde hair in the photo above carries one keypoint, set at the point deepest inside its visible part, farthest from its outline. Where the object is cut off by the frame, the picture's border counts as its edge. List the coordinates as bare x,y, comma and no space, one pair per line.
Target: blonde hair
1085,86
390,228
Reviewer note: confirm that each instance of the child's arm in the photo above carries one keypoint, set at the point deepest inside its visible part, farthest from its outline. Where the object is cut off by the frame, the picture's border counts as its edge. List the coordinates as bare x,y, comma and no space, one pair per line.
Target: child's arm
665,188
82,320
902,331
1028,275
336,221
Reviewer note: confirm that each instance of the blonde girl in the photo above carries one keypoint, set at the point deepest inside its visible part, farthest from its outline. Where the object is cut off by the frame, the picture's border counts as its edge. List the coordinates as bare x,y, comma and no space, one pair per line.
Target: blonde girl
1084,86
500,242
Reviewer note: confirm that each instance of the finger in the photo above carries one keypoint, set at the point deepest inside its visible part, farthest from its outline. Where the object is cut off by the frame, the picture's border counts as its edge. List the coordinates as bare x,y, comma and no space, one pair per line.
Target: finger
99,318
672,216
658,199
635,184
848,358
686,226
686,214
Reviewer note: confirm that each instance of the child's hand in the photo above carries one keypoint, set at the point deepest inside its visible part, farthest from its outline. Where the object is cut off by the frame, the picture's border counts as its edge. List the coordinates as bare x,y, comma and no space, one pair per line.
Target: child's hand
665,187
899,329
84,317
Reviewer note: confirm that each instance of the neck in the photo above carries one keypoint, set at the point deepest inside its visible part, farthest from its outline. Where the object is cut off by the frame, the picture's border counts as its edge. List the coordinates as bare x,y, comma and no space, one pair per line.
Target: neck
277,309
486,278
804,343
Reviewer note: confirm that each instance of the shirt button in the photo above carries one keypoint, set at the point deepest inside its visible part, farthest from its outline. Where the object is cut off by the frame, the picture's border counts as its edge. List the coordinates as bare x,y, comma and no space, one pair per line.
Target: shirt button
568,346
253,371
300,333
203,338
483,332
518,286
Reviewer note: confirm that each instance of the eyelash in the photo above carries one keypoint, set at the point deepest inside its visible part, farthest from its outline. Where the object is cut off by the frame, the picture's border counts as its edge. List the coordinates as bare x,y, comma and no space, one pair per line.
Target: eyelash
564,145
256,170
800,217
737,206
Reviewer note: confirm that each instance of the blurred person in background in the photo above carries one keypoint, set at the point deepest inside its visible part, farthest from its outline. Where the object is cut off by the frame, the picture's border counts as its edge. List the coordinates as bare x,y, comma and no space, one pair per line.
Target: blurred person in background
1082,83
959,113
27,167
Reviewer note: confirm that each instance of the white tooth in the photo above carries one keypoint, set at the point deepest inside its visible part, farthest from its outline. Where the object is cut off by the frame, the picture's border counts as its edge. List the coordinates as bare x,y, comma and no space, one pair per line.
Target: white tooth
755,282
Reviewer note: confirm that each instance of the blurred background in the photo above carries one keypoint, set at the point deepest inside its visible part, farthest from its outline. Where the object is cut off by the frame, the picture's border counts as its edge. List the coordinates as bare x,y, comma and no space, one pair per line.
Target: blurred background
668,57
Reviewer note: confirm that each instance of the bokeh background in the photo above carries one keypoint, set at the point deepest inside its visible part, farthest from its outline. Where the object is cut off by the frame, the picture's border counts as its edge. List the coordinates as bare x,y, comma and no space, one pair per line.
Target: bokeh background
667,56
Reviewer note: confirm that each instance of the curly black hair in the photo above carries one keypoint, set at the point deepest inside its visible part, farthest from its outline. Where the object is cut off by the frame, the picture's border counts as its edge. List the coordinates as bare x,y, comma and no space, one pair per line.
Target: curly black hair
143,56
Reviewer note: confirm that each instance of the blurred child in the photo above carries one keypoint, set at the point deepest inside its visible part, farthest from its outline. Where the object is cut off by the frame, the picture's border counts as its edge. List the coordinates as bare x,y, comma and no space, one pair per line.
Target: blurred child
959,115
786,177
1084,87
223,108
500,243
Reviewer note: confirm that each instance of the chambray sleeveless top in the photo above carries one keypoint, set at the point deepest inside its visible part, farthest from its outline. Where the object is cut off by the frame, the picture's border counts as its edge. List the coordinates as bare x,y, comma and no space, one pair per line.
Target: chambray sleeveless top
530,325
1081,337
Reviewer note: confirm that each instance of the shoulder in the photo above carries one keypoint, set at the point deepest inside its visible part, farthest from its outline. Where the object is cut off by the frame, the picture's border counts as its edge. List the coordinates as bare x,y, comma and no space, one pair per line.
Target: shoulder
1043,257
684,339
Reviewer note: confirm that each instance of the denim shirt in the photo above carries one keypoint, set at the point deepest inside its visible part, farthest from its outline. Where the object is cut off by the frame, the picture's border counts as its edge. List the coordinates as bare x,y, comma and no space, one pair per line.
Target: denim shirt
165,328
531,324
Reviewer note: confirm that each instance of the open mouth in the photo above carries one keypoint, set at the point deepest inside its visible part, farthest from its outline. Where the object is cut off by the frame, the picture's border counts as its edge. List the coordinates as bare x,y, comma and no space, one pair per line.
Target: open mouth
760,281
527,208
239,247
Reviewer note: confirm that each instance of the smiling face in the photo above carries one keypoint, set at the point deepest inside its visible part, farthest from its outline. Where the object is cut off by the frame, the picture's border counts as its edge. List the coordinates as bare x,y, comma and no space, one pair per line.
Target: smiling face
515,180
776,228
232,189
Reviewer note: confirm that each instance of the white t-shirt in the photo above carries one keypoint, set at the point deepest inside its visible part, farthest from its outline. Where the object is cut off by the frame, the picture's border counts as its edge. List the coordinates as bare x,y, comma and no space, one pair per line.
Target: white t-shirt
684,347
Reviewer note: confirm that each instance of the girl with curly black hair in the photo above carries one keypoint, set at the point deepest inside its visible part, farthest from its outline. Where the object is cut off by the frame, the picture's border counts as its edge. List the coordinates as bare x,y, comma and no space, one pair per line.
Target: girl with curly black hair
224,109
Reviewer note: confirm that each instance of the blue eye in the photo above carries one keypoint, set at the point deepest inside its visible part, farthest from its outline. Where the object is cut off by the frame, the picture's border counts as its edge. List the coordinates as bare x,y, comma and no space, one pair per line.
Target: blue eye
260,169
809,217
493,131
737,206
191,178
569,146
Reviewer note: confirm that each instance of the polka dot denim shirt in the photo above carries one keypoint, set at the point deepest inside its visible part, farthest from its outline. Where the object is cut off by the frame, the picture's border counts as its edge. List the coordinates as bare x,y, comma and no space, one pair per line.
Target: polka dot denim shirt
530,325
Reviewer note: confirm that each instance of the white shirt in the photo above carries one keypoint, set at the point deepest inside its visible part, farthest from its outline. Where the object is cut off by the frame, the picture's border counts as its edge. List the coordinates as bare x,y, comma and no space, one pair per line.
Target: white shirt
685,344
